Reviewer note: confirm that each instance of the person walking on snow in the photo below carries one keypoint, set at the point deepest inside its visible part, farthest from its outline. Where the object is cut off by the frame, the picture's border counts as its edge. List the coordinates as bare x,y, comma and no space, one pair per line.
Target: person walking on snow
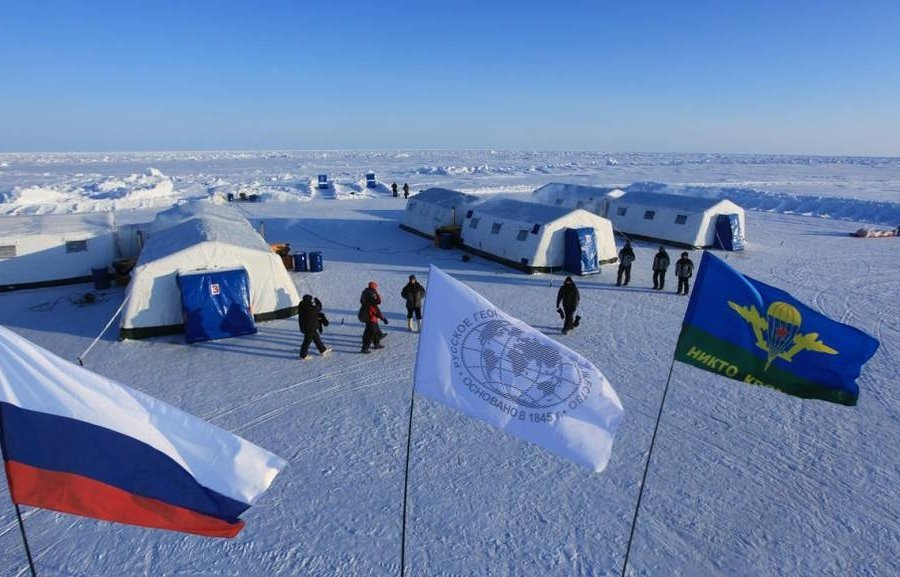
626,257
394,189
568,297
370,313
309,317
660,265
405,190
684,270
414,293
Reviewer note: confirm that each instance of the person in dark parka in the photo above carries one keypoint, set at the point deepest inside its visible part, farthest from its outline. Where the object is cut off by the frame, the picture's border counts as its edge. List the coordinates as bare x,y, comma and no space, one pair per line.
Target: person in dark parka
309,315
684,270
626,257
660,266
414,293
394,188
405,190
568,297
370,314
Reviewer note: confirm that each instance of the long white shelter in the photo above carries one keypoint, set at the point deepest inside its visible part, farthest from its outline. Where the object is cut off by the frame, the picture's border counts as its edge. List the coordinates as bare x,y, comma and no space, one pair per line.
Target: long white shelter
688,221
532,237
54,249
194,237
591,198
434,208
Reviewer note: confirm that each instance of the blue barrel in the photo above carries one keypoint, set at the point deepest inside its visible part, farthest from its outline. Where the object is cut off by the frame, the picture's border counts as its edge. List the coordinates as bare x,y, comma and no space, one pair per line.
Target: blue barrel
315,262
445,240
300,262
101,278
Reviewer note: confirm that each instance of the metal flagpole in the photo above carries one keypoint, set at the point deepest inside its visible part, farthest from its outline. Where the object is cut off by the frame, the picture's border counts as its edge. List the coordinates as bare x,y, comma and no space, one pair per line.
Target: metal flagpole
637,507
412,402
25,540
18,512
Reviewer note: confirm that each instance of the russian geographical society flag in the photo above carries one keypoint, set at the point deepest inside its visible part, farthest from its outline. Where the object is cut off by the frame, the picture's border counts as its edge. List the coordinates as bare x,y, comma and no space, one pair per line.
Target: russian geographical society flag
749,331
482,362
79,443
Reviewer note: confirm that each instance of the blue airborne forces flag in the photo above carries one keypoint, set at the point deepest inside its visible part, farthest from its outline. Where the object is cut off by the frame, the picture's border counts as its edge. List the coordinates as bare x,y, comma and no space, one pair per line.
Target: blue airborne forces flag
755,333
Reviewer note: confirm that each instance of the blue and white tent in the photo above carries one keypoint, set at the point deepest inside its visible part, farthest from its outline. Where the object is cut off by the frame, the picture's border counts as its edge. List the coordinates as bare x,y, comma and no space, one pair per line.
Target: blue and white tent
680,220
434,208
202,237
531,236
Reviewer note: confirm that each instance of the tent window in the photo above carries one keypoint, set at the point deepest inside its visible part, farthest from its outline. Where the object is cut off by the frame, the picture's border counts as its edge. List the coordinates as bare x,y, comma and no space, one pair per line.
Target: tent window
496,228
681,219
535,229
523,234
474,222
621,210
649,214
468,214
7,251
76,246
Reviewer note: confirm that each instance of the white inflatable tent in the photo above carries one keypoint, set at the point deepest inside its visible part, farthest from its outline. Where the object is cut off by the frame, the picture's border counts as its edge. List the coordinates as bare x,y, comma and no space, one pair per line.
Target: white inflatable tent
590,198
434,208
529,236
687,221
197,236
54,249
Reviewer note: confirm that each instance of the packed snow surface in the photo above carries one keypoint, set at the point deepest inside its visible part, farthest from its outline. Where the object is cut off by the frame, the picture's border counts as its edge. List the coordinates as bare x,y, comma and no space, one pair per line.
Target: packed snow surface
743,480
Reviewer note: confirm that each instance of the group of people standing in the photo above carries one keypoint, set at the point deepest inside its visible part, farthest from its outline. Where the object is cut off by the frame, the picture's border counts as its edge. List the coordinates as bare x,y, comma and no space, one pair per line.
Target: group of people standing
405,189
567,297
312,320
684,269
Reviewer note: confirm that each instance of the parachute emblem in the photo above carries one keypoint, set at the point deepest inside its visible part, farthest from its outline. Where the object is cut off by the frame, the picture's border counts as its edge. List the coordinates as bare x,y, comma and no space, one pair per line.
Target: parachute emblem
778,333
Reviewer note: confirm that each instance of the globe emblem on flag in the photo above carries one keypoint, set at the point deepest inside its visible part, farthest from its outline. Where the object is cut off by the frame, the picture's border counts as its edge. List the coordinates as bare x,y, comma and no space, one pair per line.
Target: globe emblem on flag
519,366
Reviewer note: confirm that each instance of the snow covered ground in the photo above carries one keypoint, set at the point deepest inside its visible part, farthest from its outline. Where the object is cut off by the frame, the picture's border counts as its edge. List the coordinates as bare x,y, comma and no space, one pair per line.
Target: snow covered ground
744,481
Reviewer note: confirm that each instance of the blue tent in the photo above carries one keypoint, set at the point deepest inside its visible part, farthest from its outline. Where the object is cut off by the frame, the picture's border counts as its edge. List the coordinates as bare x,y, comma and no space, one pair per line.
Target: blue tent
322,181
370,180
216,304
581,251
728,232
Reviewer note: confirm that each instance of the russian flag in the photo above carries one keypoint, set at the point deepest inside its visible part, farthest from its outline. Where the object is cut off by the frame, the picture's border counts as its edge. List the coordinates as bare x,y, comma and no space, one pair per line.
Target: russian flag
76,442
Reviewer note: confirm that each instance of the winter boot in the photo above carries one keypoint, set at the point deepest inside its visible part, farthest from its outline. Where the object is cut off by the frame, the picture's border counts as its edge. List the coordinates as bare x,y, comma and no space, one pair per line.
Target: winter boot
418,325
409,324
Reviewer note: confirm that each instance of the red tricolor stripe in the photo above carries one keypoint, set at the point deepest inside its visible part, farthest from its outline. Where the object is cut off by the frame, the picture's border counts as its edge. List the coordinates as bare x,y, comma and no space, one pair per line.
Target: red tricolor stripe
79,495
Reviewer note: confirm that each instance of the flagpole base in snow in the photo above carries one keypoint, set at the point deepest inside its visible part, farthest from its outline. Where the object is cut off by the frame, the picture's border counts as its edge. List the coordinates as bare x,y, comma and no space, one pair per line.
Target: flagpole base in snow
25,541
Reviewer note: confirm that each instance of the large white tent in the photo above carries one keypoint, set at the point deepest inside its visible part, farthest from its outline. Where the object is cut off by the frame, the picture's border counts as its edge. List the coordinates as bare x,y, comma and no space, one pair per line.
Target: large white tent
434,208
198,236
54,249
530,236
688,221
590,198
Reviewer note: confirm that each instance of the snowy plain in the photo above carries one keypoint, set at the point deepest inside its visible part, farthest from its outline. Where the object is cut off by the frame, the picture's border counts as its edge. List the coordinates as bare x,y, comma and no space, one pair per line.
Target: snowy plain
743,481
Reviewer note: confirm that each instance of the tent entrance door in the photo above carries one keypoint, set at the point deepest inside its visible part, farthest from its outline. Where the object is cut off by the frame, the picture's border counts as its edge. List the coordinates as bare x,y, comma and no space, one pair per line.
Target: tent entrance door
216,304
581,251
729,235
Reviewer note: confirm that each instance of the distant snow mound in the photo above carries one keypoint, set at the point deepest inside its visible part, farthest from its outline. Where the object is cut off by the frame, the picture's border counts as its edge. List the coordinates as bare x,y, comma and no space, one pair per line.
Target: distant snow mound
80,194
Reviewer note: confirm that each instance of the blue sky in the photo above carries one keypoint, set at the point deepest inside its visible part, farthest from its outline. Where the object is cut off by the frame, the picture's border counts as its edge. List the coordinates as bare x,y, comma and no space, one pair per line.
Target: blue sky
802,77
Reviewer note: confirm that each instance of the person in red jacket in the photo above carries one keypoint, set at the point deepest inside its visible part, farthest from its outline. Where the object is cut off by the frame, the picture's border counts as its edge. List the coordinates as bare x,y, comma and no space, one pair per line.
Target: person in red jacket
370,314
